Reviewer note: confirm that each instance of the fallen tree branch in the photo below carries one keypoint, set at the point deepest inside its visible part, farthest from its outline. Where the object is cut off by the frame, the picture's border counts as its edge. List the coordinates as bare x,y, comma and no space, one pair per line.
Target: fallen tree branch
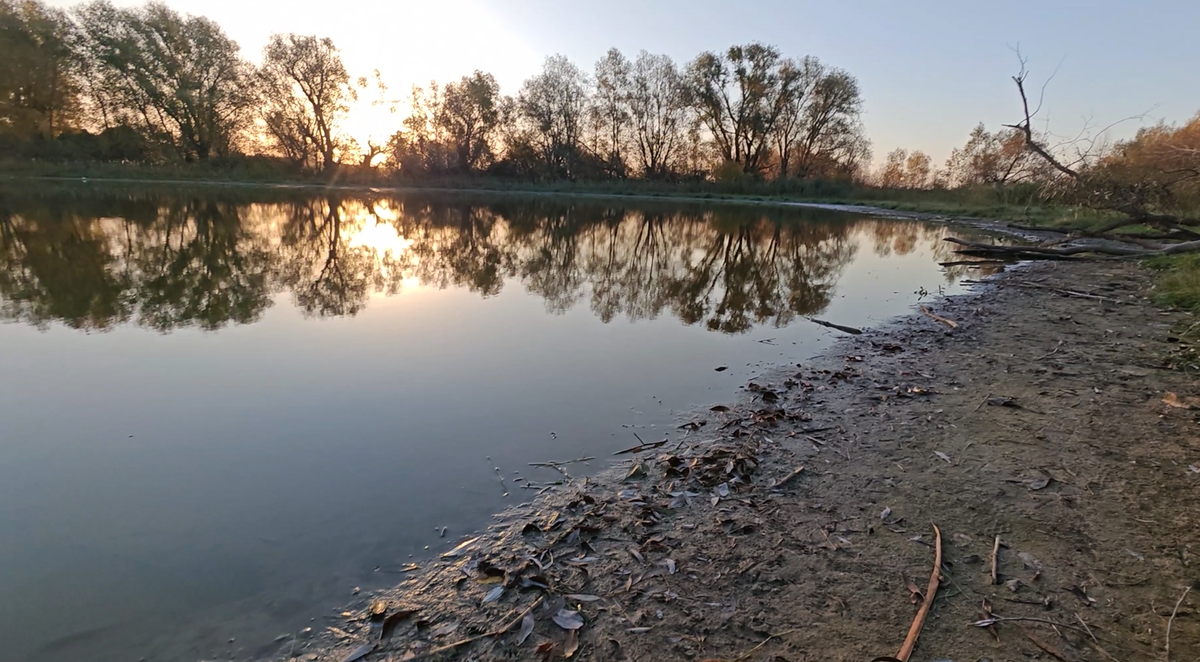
950,324
972,263
1113,248
934,579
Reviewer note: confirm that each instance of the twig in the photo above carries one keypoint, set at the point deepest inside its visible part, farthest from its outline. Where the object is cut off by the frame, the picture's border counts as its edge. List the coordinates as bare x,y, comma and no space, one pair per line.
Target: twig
1043,645
499,475
950,324
1171,621
1052,352
913,632
494,633
797,472
642,447
1085,626
747,654
559,464
1024,619
832,545
995,556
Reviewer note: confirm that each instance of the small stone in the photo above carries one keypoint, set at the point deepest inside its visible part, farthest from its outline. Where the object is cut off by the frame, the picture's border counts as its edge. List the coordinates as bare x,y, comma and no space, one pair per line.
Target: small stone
356,590
1014,585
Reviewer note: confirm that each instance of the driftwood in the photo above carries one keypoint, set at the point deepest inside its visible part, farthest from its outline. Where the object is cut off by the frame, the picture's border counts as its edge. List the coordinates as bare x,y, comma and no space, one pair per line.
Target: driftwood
934,579
950,324
974,263
839,327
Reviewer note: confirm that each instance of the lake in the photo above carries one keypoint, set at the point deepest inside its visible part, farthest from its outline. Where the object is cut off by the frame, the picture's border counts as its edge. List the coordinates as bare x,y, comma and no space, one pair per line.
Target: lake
223,412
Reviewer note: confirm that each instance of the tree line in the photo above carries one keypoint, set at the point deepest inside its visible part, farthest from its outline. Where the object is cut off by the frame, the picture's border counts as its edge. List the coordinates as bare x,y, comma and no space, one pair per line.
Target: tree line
149,84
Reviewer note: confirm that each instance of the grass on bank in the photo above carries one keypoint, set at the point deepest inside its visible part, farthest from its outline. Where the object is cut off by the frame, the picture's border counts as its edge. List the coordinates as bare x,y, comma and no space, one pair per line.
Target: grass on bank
1178,282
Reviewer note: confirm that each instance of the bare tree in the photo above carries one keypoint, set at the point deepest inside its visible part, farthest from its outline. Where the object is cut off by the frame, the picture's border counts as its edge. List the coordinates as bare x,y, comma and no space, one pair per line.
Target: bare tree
306,95
609,112
831,140
468,113
554,103
659,111
740,96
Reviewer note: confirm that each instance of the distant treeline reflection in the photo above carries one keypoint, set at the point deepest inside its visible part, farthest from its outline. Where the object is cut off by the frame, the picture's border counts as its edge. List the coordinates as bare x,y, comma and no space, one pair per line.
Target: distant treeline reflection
168,262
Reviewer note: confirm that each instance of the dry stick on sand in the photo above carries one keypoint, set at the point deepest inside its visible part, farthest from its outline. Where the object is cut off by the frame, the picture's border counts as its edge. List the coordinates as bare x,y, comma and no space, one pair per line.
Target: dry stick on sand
789,477
950,324
995,556
1171,622
934,579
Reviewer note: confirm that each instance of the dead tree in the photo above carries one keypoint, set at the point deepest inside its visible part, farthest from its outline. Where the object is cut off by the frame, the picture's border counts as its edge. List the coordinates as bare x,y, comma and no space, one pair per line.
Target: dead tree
1086,184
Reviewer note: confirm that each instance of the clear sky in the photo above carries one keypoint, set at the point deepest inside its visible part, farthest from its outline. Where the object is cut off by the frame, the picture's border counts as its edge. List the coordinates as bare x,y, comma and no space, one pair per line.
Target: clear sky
929,69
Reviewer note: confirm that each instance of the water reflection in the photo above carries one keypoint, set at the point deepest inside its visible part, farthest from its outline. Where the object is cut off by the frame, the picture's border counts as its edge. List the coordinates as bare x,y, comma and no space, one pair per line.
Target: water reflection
165,262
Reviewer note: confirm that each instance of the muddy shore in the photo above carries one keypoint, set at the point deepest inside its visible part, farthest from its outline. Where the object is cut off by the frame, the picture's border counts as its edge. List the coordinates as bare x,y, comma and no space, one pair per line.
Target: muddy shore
796,523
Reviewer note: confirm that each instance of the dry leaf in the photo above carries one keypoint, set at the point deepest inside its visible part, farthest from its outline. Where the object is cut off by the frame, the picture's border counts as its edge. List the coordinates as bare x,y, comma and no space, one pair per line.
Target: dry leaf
568,620
943,456
582,597
526,628
493,595
458,551
572,644
1172,400
390,623
359,653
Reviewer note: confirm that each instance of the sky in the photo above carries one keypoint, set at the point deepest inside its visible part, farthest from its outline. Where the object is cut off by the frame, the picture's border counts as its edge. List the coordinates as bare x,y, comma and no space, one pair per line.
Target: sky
929,70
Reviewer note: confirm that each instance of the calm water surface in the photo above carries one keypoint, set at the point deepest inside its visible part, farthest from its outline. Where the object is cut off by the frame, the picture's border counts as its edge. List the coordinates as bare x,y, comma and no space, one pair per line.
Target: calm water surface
218,417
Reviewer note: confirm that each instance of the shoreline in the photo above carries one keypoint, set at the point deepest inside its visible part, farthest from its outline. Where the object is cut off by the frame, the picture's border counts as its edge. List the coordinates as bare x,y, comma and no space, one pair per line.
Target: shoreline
767,200
721,542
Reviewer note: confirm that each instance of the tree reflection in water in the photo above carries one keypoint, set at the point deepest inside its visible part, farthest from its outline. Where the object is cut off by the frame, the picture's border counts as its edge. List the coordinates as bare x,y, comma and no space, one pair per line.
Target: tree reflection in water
166,262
